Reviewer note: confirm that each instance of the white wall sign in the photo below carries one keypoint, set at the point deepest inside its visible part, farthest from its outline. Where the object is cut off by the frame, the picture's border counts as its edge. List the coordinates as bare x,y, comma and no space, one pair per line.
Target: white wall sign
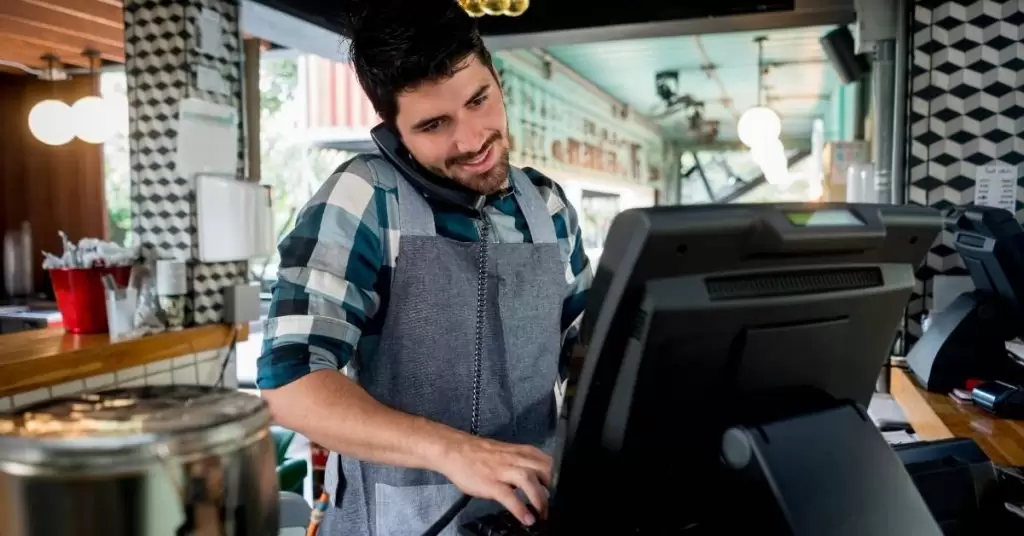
996,186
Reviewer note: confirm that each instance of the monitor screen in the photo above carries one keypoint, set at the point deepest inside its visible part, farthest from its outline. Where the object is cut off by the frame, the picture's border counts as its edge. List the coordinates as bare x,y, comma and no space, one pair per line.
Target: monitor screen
705,317
824,218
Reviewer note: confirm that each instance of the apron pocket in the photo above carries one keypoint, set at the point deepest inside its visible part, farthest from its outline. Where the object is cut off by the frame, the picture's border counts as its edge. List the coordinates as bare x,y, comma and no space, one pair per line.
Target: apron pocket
410,510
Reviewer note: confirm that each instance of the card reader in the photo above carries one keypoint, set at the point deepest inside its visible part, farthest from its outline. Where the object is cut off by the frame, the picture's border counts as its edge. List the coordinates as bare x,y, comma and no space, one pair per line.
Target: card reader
1003,399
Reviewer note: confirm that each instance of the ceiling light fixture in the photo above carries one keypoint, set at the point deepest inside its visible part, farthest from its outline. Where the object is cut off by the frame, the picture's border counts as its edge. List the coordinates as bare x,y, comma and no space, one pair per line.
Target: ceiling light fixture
759,124
50,120
760,128
93,118
508,8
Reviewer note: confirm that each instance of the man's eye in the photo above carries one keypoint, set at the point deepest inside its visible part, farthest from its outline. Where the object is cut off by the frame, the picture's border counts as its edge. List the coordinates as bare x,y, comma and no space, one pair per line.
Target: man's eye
431,126
478,101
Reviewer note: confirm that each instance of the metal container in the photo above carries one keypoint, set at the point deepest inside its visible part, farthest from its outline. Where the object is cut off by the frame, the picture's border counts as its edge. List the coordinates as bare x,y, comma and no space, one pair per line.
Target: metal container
174,460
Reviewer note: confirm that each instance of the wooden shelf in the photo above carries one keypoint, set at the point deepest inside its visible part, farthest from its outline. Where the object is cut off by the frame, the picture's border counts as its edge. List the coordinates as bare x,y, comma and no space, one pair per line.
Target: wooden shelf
46,357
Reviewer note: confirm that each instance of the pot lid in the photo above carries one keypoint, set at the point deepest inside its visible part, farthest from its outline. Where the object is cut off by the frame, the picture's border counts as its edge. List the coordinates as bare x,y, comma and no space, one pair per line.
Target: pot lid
130,419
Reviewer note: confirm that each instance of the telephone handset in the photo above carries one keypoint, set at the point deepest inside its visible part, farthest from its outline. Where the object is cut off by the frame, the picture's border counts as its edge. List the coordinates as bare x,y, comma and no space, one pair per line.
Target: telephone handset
429,184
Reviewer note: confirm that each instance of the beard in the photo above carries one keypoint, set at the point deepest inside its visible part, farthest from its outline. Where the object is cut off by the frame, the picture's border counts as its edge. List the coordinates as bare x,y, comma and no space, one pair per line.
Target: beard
490,181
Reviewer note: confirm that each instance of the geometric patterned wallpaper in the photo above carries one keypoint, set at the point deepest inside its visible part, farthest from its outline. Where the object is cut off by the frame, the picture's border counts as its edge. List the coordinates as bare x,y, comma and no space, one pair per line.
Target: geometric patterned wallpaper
966,110
162,58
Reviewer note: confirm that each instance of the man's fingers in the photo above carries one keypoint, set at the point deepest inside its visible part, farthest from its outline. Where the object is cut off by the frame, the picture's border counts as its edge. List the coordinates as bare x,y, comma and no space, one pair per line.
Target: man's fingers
539,464
535,454
527,482
507,498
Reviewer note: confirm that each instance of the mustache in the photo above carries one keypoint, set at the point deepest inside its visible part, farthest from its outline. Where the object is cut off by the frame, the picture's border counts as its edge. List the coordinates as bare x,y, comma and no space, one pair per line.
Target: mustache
465,157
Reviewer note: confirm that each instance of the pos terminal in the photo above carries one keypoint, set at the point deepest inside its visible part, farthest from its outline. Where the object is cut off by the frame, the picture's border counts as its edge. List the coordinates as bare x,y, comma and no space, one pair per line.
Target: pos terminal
967,340
732,350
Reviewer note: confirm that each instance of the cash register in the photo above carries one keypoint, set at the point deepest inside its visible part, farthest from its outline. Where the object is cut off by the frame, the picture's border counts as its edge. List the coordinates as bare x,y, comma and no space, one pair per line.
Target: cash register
732,351
967,340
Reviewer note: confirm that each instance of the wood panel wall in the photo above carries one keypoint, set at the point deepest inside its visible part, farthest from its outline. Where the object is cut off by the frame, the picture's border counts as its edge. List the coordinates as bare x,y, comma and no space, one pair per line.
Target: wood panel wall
53,188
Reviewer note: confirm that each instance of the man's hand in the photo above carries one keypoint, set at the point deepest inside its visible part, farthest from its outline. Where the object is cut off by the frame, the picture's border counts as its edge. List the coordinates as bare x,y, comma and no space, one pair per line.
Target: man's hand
493,470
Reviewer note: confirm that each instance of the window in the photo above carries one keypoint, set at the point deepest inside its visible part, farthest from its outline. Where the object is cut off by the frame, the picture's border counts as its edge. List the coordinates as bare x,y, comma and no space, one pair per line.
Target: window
117,166
292,166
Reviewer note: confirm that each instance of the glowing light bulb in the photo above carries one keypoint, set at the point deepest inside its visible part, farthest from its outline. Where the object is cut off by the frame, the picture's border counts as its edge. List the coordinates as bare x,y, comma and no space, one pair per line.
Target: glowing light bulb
50,121
758,125
474,8
495,7
93,120
517,7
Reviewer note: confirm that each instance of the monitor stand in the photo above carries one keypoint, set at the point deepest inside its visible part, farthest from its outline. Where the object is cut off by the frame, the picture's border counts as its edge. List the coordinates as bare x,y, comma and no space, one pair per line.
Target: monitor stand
826,472
966,341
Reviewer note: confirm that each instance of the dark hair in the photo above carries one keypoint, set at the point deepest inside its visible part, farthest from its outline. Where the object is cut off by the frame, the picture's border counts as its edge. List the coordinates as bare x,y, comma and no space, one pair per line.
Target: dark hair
395,47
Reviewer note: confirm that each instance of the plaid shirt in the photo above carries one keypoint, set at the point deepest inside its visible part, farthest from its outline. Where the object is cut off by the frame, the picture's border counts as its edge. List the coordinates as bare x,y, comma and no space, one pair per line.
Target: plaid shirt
336,269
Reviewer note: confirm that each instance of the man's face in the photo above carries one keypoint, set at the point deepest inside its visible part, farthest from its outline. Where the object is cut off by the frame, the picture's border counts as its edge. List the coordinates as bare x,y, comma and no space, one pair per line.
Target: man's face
457,127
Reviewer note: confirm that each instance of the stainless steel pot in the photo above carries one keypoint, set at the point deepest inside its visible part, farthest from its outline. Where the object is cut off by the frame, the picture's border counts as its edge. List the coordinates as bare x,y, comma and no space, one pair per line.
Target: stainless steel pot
174,460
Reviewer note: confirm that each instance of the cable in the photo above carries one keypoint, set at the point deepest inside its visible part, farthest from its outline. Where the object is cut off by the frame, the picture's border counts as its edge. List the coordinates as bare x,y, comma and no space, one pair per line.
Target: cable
22,66
227,358
478,350
448,516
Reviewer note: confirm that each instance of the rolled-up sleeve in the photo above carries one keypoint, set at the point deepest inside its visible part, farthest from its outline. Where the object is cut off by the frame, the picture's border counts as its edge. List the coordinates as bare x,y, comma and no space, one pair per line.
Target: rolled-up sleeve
578,272
328,271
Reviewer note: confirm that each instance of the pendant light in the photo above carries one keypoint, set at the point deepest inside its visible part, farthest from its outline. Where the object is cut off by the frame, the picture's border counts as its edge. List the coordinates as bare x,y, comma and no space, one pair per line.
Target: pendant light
50,120
509,8
93,118
760,128
474,8
517,7
759,124
495,7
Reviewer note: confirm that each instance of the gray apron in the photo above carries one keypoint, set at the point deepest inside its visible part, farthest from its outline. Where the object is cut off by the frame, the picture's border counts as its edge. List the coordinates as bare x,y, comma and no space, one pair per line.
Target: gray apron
471,339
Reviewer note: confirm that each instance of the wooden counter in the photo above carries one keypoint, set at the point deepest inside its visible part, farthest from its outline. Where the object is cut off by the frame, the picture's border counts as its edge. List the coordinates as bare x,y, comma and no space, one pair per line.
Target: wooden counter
937,416
45,357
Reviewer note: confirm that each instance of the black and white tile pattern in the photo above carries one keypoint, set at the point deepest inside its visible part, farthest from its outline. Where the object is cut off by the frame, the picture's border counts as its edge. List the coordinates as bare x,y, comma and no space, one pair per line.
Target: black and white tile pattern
162,58
966,110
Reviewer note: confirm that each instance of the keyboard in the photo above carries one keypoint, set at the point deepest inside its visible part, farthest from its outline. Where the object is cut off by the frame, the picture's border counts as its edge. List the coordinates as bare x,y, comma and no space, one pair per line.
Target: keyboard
500,524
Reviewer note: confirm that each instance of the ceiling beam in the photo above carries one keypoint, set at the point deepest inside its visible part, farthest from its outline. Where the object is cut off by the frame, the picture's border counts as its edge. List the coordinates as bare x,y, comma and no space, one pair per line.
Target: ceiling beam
807,13
27,31
712,74
58,20
67,55
98,12
27,57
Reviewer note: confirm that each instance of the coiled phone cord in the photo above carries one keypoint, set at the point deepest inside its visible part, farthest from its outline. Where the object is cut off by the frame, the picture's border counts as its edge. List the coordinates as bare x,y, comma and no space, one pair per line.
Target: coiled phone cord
474,427
478,356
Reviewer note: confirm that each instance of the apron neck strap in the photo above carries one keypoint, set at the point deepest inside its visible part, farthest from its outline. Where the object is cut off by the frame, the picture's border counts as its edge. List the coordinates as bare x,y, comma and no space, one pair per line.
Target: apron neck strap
417,218
542,229
415,215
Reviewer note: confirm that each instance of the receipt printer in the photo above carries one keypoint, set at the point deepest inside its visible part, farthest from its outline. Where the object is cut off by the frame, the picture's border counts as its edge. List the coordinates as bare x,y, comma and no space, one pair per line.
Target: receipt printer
1003,399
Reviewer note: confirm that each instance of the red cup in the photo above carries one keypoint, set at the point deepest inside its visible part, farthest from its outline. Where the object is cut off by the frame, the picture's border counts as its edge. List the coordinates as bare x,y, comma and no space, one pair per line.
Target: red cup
81,298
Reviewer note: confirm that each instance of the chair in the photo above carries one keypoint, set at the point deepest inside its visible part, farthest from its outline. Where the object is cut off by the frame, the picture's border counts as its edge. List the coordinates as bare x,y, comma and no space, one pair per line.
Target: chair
291,472
293,513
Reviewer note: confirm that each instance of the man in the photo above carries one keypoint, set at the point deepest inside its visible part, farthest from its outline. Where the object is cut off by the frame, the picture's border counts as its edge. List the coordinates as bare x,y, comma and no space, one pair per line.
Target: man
452,323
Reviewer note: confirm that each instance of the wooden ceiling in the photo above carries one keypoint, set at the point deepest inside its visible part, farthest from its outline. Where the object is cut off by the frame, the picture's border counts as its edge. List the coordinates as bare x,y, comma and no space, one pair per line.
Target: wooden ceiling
31,29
